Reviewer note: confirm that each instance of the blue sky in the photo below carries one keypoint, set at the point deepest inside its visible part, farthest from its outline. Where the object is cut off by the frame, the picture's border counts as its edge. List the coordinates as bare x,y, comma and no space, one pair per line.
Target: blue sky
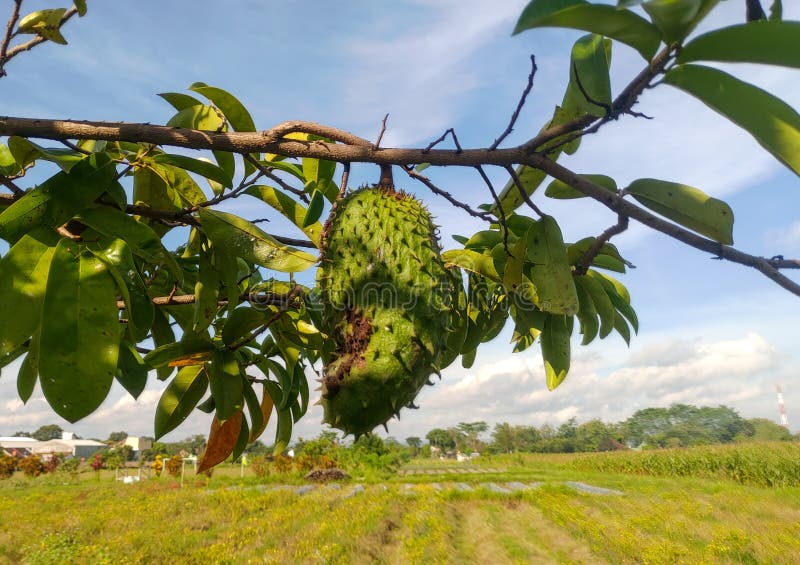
711,332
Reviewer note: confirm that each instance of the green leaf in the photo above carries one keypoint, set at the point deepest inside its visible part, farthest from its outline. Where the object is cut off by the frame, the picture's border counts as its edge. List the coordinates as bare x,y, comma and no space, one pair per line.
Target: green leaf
483,240
314,209
28,373
59,198
551,272
674,18
45,23
80,5
776,11
162,336
622,327
225,379
241,322
529,178
206,292
587,314
772,122
180,101
283,433
622,25
602,303
79,345
686,205
202,168
770,43
234,110
8,165
118,258
251,244
561,190
589,89
142,240
289,207
555,340
253,406
318,174
473,261
620,298
23,280
182,184
131,369
199,117
26,152
179,399
188,346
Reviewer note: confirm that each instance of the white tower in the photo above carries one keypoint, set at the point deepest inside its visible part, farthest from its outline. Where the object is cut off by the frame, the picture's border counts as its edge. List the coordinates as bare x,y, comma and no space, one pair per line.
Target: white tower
784,421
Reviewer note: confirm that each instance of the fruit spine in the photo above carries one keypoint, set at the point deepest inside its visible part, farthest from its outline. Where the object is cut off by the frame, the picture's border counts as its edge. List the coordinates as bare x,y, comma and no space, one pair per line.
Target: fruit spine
387,300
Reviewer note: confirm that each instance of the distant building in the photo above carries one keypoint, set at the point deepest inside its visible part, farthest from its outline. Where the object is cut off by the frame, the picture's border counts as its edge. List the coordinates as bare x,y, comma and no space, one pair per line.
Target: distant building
67,447
138,444
17,446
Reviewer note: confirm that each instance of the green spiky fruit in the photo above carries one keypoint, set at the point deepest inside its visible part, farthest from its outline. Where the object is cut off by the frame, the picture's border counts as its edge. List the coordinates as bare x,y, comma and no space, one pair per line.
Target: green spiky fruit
387,300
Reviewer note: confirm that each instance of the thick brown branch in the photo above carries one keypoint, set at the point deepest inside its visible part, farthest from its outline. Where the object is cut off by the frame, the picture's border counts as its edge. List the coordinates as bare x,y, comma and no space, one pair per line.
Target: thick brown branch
351,148
261,299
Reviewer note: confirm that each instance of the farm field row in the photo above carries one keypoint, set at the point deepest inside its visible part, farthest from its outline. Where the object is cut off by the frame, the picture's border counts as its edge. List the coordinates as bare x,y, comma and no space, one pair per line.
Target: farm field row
407,519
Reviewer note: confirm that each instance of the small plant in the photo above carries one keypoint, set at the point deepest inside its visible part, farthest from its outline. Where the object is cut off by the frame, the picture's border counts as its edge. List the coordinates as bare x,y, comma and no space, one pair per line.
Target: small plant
174,465
260,466
157,465
97,463
51,463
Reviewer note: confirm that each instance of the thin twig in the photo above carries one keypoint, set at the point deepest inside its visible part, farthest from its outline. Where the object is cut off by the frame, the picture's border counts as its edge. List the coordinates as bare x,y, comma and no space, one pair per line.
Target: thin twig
599,242
265,326
28,45
377,144
11,186
264,170
68,143
486,217
522,193
589,99
622,103
438,140
499,208
520,104
12,21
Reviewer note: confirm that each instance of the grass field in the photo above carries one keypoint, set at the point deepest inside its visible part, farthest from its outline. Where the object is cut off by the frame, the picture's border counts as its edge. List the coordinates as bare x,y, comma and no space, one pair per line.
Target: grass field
418,516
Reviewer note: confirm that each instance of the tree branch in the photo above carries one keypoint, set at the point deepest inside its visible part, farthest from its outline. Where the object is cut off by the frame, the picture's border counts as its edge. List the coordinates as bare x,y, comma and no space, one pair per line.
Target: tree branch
12,21
520,104
584,264
262,299
28,45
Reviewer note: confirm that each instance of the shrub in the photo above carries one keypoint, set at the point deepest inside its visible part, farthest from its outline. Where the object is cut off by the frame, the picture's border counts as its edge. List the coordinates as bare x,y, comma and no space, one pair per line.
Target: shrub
31,465
8,465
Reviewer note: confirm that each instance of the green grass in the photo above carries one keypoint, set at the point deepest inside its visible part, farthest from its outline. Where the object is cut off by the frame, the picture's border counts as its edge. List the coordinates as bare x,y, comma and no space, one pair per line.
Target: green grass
228,520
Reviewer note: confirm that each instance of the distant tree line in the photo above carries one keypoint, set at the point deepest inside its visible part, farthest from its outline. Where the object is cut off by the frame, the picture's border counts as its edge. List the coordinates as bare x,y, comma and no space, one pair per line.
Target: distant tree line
680,425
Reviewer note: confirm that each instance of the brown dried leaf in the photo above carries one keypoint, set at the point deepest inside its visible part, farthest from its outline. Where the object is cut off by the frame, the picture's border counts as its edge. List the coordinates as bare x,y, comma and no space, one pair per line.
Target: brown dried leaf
266,411
221,441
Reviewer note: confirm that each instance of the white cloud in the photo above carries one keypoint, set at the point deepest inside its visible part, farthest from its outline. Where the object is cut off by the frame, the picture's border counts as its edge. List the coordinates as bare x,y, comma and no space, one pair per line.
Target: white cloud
422,74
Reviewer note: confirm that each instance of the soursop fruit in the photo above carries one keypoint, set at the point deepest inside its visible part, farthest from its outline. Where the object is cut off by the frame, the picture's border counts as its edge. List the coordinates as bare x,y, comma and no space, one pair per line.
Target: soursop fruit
387,302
